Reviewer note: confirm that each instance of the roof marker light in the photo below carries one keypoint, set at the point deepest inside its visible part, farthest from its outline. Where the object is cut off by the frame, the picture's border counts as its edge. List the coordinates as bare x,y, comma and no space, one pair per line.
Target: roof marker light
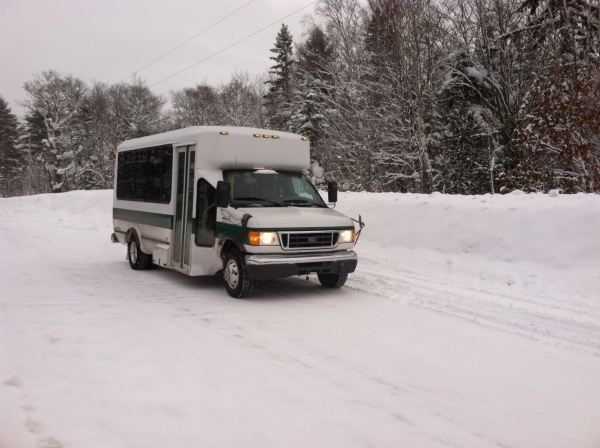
265,135
256,135
224,133
275,136
304,139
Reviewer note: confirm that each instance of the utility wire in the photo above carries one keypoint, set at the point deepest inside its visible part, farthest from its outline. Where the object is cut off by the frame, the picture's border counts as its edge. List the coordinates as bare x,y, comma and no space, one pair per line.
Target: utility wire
191,38
233,45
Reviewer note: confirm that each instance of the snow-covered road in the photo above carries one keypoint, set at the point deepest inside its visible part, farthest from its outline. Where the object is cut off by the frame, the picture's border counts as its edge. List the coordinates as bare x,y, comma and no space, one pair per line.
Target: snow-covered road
462,327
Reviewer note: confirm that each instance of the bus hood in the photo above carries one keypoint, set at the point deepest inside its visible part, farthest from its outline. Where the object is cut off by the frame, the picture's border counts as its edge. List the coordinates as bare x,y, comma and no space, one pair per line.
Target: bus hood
281,218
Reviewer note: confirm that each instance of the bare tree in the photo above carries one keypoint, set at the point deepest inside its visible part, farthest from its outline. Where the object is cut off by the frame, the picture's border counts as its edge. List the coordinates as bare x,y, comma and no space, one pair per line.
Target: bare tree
57,99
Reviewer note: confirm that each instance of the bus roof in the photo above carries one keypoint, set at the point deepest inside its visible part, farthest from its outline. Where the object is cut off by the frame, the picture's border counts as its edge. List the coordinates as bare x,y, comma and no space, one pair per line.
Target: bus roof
222,147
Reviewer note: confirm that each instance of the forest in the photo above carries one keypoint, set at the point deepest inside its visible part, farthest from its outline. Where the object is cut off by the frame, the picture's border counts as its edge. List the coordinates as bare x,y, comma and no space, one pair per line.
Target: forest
455,96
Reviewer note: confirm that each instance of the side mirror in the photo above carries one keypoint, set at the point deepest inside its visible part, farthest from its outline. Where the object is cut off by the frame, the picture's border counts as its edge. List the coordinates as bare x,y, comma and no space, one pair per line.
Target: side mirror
223,194
332,192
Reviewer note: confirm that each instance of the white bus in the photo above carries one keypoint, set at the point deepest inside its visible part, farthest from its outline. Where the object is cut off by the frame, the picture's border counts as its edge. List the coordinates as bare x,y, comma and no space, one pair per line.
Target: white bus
204,199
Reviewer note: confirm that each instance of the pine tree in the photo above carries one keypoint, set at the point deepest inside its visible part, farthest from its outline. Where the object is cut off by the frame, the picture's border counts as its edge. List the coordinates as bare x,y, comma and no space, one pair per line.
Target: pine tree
314,89
315,56
464,165
308,119
32,134
468,142
279,96
11,157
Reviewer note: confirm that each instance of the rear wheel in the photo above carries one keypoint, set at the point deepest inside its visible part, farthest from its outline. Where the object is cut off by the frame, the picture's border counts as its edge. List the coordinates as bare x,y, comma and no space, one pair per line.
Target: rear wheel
237,281
333,280
138,260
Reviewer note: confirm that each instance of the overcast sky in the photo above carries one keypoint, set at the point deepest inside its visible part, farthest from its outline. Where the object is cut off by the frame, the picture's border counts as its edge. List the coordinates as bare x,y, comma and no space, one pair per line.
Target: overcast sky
108,40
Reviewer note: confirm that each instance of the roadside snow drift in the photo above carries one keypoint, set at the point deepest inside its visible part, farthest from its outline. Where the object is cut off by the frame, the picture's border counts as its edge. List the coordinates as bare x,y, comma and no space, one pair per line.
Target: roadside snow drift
471,321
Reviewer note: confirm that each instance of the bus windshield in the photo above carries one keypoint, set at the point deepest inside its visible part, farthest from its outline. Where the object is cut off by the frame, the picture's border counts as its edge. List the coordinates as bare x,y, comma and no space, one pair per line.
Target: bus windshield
267,188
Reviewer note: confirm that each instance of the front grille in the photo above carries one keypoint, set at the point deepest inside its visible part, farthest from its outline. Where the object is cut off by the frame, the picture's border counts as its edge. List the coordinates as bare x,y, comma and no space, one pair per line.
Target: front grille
309,240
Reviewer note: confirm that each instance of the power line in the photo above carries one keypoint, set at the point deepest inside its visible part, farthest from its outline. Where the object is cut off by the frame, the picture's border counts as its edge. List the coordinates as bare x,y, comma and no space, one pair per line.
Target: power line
234,44
191,38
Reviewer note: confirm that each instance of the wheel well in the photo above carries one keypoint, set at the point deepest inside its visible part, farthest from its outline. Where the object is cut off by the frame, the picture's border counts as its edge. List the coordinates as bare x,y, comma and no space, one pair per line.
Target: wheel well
228,245
131,233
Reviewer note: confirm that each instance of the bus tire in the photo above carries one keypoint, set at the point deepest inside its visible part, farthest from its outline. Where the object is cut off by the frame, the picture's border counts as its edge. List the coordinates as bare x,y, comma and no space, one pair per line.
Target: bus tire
333,280
237,281
138,260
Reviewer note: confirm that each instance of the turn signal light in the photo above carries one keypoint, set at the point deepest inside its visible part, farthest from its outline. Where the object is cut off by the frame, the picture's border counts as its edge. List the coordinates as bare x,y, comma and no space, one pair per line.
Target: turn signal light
254,238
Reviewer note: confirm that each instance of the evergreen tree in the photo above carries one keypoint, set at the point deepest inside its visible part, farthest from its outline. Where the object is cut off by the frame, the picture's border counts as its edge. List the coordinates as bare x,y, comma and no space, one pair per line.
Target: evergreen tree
315,56
314,90
32,134
278,99
467,147
308,119
11,157
464,160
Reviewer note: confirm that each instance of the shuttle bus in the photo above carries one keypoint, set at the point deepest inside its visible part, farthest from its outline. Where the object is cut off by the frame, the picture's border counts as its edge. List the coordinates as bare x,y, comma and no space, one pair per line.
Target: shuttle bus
206,199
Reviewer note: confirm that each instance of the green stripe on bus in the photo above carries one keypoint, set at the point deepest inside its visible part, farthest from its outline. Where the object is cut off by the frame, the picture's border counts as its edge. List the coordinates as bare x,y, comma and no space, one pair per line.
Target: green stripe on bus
147,218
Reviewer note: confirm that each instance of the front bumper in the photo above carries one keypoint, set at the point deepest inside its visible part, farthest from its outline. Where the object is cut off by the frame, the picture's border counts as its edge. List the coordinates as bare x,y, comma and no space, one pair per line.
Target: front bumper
264,267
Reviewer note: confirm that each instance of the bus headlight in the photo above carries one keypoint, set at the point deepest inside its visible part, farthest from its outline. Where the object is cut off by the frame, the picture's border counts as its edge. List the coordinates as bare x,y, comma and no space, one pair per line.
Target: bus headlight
263,238
347,236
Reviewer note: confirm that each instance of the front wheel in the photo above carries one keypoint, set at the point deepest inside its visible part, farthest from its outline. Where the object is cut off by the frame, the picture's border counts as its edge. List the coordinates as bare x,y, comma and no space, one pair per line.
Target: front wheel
333,280
237,281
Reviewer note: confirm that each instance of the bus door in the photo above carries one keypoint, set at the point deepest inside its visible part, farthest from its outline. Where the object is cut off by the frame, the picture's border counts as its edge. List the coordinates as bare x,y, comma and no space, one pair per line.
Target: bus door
182,235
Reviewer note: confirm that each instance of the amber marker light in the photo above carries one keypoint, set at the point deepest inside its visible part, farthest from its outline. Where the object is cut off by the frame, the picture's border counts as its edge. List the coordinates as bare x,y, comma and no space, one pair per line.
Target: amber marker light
275,136
266,136
254,238
304,139
224,133
256,135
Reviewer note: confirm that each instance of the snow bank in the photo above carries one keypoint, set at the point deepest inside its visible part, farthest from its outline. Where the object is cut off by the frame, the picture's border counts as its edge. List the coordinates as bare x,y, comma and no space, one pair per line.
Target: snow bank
514,237
87,209
559,231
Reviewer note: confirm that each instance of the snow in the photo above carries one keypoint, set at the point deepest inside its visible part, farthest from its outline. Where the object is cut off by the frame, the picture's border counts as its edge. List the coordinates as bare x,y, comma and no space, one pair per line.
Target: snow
472,321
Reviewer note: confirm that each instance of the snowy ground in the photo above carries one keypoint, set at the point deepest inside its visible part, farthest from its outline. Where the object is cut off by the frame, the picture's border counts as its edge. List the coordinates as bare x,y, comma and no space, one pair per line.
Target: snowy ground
470,322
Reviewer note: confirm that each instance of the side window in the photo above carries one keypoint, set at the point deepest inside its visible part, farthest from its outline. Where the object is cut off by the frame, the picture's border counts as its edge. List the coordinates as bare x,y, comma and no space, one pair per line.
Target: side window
145,175
206,214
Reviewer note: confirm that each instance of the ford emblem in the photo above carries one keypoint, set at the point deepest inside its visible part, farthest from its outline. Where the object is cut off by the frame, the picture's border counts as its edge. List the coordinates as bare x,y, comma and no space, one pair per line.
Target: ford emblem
312,240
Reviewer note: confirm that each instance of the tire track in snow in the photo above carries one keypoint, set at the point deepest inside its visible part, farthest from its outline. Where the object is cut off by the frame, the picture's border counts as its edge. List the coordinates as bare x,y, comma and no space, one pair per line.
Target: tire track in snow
544,317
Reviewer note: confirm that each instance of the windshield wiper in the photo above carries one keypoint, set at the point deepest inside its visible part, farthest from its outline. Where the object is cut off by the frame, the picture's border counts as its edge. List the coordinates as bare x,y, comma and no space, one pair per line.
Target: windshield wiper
302,203
254,198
